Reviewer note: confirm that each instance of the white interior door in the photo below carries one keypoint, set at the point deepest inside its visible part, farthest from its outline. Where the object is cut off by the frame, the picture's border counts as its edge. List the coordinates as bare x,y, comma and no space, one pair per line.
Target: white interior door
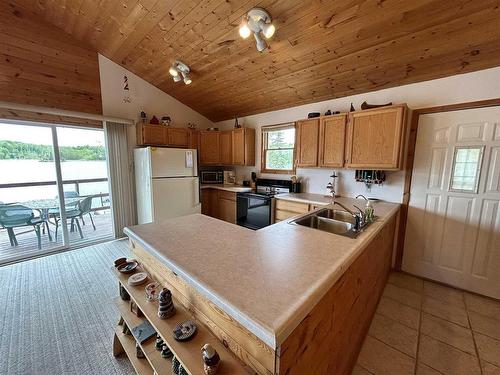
453,228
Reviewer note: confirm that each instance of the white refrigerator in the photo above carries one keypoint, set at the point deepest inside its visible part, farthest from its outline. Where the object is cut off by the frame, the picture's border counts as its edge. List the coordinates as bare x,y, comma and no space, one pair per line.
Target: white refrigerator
166,181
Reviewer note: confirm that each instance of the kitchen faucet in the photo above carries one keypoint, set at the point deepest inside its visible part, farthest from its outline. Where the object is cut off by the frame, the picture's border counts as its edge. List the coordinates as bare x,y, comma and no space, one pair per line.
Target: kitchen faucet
359,217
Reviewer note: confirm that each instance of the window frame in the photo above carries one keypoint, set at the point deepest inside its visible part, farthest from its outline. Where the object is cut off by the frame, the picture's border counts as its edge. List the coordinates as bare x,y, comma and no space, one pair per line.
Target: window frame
478,168
263,147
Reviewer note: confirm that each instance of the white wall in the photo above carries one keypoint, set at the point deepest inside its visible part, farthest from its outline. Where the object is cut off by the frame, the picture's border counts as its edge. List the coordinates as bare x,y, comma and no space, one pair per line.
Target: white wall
144,96
479,85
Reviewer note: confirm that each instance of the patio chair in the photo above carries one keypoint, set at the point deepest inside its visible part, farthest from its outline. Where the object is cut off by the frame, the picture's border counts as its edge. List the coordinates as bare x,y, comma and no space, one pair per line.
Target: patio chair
85,207
16,216
73,214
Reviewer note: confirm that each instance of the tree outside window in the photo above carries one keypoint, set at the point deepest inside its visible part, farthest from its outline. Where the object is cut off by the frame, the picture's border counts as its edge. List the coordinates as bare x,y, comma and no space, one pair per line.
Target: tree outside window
278,148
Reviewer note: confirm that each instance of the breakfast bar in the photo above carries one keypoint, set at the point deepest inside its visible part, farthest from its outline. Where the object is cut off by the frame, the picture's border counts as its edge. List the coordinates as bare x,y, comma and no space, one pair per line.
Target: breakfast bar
279,298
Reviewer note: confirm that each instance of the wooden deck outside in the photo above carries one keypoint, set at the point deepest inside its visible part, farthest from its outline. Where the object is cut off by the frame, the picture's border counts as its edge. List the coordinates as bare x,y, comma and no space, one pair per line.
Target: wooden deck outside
28,242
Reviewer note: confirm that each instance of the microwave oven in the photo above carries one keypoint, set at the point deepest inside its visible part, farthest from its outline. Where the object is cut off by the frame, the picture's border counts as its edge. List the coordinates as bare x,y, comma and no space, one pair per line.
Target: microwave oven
212,177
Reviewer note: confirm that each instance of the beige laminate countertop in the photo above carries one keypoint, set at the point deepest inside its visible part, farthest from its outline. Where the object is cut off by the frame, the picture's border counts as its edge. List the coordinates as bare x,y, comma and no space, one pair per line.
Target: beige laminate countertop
232,188
267,280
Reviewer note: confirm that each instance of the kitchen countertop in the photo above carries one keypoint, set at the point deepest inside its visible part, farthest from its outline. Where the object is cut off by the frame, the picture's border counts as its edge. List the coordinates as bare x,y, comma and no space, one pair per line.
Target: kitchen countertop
233,188
267,280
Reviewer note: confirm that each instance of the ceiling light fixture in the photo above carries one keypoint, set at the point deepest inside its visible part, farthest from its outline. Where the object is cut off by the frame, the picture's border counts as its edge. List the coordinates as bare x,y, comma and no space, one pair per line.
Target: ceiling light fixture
180,72
257,21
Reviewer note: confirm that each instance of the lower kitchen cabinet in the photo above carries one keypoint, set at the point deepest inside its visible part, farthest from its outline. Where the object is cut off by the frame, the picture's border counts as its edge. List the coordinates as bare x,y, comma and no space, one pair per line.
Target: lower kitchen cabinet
227,206
220,204
209,202
287,209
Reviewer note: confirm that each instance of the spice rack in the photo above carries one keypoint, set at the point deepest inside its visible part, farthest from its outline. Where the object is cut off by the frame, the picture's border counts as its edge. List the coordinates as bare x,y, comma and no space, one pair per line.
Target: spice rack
188,353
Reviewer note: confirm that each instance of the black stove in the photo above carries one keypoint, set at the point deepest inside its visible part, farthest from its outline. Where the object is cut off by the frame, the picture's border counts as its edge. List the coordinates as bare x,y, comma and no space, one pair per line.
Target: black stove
254,210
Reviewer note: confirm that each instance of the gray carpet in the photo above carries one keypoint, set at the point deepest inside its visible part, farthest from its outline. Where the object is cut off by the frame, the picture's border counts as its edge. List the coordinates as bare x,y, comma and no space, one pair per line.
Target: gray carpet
57,315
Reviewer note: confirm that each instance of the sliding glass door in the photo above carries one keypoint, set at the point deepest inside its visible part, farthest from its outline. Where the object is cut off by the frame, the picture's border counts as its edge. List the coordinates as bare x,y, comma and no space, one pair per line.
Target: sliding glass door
85,184
53,189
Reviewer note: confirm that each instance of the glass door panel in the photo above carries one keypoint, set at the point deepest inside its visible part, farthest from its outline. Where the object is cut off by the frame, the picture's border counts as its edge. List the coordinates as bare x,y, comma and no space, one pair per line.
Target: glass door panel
29,199
85,184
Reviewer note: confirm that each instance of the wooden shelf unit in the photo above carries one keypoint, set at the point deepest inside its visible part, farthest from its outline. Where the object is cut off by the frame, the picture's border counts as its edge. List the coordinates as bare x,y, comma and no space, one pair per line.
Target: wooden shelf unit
126,343
188,353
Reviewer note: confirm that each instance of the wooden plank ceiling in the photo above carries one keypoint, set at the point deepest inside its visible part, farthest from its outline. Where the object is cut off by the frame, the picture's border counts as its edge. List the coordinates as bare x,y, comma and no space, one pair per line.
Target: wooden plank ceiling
321,50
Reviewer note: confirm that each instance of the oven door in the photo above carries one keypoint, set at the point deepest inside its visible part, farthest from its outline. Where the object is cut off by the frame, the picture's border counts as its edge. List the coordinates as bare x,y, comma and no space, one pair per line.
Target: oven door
253,210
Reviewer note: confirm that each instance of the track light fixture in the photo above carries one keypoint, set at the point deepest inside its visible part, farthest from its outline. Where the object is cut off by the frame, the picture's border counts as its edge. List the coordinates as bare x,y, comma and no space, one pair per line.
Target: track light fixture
180,72
258,22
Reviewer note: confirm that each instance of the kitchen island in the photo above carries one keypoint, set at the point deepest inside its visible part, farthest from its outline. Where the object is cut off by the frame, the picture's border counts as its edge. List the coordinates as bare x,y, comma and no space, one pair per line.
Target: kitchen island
284,299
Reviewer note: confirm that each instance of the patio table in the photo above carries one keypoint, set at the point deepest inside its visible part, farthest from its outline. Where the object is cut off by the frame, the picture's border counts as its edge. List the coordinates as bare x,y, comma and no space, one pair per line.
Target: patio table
44,205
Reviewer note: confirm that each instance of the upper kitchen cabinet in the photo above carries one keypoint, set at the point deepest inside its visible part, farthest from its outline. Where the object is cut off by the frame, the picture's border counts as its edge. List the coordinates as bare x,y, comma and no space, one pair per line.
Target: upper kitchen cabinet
151,135
178,137
375,138
209,147
160,135
332,131
229,147
226,147
243,146
307,142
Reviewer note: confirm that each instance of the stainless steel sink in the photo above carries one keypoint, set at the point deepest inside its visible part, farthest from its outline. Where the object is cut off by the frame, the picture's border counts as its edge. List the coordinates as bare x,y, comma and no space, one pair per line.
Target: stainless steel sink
324,224
329,213
332,221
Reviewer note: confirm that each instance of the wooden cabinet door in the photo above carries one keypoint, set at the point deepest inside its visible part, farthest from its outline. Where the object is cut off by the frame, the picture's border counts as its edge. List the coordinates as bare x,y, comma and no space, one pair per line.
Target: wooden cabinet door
244,146
307,143
209,147
238,147
194,136
177,137
153,135
209,202
332,140
375,138
227,206
226,147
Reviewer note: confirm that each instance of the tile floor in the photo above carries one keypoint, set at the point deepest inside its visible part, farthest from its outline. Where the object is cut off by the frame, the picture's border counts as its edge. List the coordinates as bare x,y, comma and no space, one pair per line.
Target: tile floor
424,328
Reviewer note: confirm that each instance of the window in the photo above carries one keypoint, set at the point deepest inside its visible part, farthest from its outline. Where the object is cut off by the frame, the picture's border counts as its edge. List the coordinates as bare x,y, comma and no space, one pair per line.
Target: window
466,167
278,148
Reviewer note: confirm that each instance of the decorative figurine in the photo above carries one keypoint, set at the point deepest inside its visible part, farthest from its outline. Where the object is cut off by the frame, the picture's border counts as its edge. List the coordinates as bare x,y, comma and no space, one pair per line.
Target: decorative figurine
125,329
328,113
166,352
138,351
332,186
175,365
158,343
236,123
151,291
154,120
182,371
185,330
135,309
365,105
211,359
352,108
144,117
166,306
166,120
123,293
